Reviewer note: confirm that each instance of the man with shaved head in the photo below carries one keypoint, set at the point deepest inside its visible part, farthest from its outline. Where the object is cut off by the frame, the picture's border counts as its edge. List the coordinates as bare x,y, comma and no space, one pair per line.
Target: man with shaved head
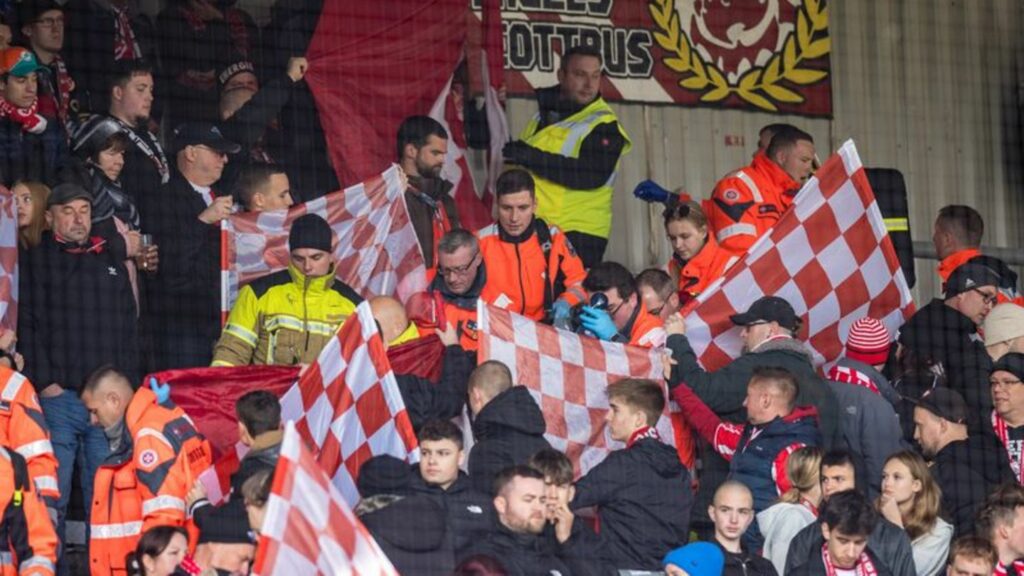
424,400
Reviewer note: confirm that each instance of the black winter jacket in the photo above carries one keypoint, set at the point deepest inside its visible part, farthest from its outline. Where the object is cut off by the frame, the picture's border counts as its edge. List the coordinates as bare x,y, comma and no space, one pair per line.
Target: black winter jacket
250,127
967,471
425,400
888,545
77,313
643,500
413,535
508,431
470,513
520,554
745,564
423,199
942,334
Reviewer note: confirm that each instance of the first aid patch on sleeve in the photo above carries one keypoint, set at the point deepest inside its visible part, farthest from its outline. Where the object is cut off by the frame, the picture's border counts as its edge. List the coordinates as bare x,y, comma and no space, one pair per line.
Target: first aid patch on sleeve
148,459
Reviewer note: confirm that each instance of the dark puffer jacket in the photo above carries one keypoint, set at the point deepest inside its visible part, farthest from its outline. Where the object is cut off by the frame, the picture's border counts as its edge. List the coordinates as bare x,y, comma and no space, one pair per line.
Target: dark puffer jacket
888,545
508,431
967,471
643,499
412,533
520,554
470,513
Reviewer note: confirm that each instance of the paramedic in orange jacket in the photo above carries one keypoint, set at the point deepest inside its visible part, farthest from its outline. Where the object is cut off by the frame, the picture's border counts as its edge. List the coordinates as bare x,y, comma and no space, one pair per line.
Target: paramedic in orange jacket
156,456
751,200
532,269
957,239
29,547
626,320
23,429
697,260
451,298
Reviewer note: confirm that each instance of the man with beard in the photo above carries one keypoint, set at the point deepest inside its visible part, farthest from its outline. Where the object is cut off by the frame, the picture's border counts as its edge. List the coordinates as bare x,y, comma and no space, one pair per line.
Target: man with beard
422,146
131,100
516,539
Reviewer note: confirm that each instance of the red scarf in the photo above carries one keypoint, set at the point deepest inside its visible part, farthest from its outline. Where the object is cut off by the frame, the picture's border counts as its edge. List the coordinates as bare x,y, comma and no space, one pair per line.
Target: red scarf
851,376
94,245
27,117
811,507
641,433
1003,433
1000,569
864,566
126,47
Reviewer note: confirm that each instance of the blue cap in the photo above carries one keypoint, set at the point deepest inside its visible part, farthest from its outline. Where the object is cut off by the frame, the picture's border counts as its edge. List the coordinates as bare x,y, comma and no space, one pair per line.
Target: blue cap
697,559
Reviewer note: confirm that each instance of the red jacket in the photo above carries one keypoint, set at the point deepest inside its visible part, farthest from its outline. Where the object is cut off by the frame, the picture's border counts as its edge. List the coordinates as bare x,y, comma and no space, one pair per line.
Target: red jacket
745,204
23,429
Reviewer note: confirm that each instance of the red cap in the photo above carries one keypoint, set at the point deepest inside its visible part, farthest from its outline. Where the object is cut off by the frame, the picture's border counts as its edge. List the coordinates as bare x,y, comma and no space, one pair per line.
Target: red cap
868,342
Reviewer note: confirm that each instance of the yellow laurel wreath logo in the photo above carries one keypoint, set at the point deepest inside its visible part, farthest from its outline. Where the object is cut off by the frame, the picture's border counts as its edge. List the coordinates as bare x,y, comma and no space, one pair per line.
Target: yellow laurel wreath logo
759,86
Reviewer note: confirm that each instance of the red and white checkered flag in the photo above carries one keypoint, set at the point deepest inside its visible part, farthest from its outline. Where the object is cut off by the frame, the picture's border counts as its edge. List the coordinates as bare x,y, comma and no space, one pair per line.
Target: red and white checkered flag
829,256
567,375
347,405
8,261
308,527
375,246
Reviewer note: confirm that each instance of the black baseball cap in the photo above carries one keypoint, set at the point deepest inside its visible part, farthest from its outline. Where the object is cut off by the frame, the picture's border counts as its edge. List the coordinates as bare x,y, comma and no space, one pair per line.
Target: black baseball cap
202,134
29,11
64,193
970,275
944,403
1012,363
768,309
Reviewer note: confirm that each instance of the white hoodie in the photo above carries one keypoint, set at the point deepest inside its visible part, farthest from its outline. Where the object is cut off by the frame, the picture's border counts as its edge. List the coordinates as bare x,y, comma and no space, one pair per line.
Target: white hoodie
779,524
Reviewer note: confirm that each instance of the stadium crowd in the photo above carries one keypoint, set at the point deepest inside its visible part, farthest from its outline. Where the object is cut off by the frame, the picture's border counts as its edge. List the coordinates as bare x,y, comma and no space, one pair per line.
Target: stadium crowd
903,459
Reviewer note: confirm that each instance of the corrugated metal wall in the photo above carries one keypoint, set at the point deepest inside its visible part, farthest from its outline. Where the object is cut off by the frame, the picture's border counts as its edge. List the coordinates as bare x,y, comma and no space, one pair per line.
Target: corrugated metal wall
932,88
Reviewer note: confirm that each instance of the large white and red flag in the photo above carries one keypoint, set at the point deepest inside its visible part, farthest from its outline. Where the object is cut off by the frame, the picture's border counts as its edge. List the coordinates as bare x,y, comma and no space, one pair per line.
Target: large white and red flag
8,261
308,527
829,256
567,375
375,246
347,405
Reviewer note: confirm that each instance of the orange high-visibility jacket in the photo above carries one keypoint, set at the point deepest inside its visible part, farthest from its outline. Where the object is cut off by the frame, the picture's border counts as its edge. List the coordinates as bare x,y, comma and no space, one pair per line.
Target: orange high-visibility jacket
696,274
145,483
29,547
518,274
646,330
746,203
23,429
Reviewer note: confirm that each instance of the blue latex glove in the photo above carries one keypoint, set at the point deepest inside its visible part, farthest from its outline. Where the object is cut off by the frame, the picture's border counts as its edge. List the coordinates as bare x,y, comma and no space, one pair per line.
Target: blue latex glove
650,191
598,323
561,310
161,389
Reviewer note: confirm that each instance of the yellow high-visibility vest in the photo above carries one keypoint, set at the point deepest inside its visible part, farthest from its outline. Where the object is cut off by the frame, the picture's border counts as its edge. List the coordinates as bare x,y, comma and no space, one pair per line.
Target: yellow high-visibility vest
587,211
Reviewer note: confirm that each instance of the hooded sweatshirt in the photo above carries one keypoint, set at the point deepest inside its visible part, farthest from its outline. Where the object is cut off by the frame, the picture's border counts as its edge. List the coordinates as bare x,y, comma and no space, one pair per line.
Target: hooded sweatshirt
508,431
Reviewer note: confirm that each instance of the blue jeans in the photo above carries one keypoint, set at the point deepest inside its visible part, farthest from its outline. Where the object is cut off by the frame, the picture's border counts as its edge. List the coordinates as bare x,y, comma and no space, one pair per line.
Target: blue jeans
74,441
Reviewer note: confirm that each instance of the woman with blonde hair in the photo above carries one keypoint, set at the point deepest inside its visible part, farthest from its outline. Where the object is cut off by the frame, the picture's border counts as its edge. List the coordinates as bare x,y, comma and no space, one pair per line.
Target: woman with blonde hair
796,509
30,202
911,499
697,261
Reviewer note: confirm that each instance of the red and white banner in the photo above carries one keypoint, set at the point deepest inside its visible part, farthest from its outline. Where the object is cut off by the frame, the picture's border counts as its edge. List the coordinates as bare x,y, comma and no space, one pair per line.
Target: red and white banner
375,246
829,256
8,261
347,405
308,527
567,375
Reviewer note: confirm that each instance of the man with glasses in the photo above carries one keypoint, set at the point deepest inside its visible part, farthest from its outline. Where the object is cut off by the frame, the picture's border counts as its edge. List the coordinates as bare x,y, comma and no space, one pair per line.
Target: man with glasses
658,292
42,25
626,319
768,331
451,298
944,333
1008,413
184,216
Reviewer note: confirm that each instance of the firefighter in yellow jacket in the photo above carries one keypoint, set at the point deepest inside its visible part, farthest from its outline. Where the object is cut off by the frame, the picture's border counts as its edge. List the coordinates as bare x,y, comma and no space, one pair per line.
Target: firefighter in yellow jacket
572,147
285,318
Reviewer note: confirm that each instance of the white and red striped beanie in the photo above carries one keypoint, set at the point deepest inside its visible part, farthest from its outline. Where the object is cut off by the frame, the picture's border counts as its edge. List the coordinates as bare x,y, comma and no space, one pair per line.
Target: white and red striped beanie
868,342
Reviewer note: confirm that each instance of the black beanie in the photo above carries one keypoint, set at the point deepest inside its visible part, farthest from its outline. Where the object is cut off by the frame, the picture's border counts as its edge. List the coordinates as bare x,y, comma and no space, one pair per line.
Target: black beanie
310,231
384,475
226,524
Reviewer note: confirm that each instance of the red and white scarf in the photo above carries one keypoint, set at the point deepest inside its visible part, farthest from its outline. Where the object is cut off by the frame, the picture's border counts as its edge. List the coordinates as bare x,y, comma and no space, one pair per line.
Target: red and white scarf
126,46
28,118
851,376
640,434
864,566
1002,430
1000,569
